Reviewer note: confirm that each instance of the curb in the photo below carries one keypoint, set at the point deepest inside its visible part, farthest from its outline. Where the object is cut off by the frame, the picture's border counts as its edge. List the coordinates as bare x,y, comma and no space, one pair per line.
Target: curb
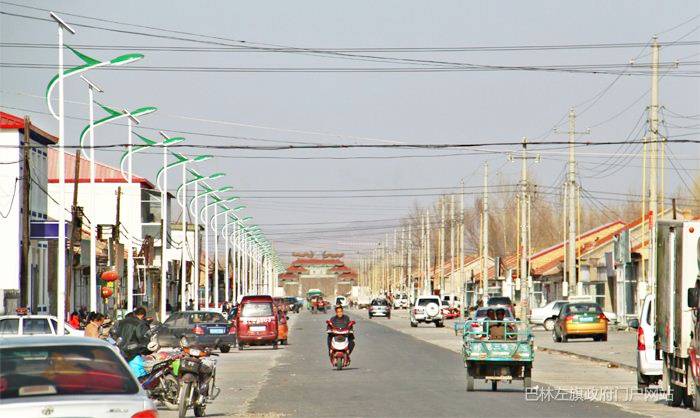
612,364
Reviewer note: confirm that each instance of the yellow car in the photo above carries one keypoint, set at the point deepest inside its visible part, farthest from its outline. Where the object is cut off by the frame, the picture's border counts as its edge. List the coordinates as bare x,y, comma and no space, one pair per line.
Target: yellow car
580,320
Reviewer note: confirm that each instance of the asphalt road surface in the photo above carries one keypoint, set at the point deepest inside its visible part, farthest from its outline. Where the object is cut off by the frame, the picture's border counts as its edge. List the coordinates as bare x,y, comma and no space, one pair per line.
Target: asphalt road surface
391,375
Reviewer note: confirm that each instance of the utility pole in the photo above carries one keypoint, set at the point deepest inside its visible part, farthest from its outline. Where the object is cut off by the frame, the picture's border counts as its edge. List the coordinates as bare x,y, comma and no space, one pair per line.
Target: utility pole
427,252
461,239
402,257
409,260
485,238
452,244
442,244
523,244
654,132
26,184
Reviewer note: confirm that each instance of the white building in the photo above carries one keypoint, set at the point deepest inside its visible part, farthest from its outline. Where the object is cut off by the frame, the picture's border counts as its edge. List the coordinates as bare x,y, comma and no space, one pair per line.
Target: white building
139,216
42,230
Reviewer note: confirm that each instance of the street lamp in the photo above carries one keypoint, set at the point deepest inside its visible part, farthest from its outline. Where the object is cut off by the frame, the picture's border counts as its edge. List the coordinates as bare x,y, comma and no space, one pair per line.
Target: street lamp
59,80
183,206
198,214
196,180
113,115
215,228
164,220
224,232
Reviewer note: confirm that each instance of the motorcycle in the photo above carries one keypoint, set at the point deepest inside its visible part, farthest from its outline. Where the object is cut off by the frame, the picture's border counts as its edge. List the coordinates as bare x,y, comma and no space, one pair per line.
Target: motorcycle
340,345
197,381
161,382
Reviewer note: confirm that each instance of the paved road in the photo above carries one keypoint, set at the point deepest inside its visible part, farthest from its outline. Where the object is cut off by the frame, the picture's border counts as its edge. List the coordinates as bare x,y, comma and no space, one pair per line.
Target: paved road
392,374
620,347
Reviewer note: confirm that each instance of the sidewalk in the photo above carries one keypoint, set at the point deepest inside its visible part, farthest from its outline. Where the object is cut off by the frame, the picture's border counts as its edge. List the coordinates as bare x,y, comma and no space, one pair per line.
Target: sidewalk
567,368
619,350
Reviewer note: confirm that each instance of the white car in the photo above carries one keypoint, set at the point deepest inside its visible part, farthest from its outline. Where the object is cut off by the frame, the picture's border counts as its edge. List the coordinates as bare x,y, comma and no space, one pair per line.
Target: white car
342,301
547,315
22,325
401,301
59,376
649,368
427,309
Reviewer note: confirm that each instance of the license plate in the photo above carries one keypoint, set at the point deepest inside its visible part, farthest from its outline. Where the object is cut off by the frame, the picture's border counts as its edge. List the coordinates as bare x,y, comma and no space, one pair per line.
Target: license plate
586,319
258,328
216,330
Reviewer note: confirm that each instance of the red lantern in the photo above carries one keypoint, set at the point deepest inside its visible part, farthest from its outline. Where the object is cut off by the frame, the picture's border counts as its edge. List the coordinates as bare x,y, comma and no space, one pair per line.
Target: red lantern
106,292
109,275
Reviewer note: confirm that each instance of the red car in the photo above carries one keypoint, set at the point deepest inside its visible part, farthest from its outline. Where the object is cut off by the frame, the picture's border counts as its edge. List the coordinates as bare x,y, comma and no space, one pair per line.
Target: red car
449,312
256,321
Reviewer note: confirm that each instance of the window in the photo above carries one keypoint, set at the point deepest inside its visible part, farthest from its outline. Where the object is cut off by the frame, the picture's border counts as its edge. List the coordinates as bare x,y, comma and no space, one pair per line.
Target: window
35,326
9,326
62,370
426,302
205,317
252,309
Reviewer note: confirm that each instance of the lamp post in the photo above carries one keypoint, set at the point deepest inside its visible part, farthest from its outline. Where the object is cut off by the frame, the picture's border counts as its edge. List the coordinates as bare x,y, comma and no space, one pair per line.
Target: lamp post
183,206
195,181
113,115
198,215
164,220
58,79
215,228
238,256
233,219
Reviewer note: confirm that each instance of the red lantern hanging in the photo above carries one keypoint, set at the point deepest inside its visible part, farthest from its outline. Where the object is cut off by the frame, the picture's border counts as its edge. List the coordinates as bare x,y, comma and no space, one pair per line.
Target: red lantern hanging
106,292
109,275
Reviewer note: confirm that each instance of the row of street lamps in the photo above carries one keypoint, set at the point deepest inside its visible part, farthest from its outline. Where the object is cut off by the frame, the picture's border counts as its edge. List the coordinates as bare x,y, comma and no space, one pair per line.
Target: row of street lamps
254,261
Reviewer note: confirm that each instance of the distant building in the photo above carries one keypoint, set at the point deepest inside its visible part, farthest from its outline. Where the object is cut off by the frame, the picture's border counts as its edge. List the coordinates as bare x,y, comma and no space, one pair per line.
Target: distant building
43,229
327,273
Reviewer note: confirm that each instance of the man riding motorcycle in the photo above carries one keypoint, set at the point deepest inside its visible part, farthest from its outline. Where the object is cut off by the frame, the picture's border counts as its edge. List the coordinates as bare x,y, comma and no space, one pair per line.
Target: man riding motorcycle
340,321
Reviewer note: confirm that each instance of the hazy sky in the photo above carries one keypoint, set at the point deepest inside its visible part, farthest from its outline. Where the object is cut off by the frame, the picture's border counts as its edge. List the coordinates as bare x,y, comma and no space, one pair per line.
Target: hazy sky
369,107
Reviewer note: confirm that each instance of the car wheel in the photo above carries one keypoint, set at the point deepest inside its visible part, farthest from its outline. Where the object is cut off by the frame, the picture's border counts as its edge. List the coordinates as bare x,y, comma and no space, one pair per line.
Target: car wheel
548,324
225,348
642,382
604,337
564,338
555,337
274,346
414,324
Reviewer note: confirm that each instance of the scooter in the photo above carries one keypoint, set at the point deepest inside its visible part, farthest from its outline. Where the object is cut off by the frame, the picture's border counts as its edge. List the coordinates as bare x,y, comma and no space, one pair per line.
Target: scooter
340,345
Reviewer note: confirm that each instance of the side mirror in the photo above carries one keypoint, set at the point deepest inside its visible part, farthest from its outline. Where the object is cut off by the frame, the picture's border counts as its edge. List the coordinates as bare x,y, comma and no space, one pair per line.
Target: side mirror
633,323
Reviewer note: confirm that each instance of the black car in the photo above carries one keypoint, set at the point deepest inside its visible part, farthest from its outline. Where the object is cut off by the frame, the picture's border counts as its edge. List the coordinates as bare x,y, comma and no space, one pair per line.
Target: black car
201,328
293,304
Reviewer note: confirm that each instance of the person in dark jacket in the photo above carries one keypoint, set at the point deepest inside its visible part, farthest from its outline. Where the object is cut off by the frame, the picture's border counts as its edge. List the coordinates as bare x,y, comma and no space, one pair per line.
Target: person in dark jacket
132,334
342,321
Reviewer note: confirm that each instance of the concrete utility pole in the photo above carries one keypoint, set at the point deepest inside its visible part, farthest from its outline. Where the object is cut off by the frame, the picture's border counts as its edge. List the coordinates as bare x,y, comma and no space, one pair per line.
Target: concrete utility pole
402,257
654,132
409,260
428,289
571,249
442,244
452,243
26,205
461,238
485,238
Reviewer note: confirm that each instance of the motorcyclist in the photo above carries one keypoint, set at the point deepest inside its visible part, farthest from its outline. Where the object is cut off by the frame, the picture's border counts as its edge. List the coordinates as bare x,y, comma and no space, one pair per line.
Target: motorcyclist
341,321
133,335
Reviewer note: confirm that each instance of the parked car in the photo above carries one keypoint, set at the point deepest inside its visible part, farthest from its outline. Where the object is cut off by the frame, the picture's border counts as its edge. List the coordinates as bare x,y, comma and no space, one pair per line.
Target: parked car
450,312
21,325
342,301
293,304
427,309
451,300
68,377
547,315
256,322
379,307
202,328
401,301
649,368
580,320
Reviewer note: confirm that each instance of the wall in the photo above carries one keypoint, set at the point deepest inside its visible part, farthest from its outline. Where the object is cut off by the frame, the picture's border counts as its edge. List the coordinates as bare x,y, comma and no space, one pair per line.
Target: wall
11,200
105,199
